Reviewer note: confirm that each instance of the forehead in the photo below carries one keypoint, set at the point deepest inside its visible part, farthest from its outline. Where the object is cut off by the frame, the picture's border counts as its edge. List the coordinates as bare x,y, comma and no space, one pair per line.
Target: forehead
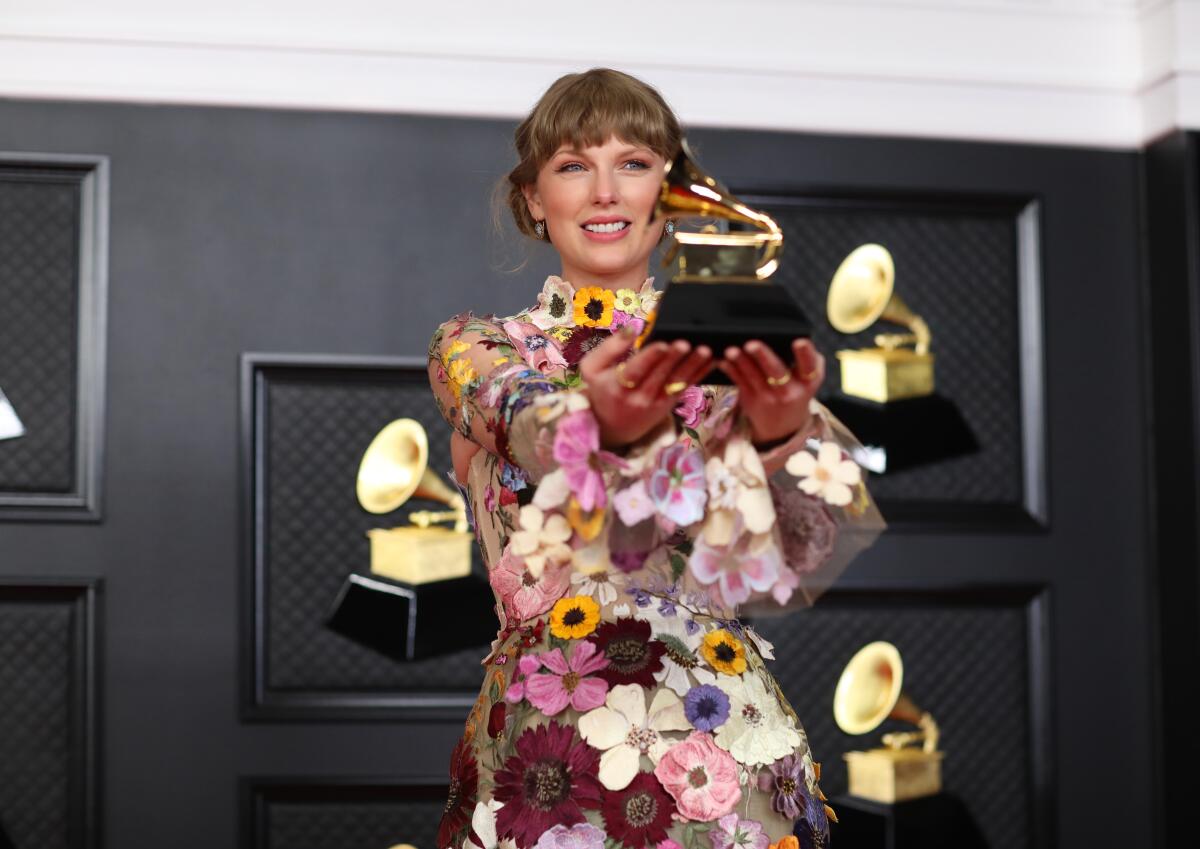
613,144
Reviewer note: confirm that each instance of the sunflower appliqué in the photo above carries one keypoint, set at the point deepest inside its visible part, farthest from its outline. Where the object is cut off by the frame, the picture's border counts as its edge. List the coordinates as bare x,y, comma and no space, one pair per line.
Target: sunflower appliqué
724,652
594,307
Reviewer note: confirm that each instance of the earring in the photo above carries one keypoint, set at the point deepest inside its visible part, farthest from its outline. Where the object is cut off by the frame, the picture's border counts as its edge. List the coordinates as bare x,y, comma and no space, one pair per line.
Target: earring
540,229
669,228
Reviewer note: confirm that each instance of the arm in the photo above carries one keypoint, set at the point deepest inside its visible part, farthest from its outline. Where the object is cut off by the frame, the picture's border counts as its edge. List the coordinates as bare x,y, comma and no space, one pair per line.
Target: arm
788,507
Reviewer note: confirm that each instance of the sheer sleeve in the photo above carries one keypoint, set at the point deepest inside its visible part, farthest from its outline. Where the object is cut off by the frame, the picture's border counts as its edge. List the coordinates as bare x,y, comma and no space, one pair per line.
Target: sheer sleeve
491,395
784,522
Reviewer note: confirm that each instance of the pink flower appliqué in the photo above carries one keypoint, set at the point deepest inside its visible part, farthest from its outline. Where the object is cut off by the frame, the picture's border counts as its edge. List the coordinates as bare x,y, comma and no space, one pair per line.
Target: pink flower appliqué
750,562
537,349
692,404
732,832
620,319
577,450
568,683
526,666
522,594
677,485
701,777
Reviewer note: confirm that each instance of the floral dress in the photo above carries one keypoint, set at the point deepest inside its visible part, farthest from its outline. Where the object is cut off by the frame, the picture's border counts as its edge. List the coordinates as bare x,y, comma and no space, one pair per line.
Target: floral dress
624,704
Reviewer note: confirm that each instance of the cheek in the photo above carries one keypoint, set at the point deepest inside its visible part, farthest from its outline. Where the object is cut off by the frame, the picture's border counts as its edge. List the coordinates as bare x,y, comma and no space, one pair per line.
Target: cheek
562,199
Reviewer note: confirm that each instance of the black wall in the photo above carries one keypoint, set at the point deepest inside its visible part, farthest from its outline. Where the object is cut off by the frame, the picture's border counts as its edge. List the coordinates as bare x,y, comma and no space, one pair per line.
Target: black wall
235,231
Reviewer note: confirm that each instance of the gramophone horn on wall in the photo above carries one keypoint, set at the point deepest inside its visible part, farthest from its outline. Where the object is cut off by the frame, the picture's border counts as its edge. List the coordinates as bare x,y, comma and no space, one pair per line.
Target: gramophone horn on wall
888,398
394,469
719,294
869,691
863,292
421,597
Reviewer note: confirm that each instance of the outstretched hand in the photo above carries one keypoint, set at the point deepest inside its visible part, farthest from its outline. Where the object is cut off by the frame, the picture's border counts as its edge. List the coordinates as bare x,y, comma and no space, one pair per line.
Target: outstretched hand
629,400
774,398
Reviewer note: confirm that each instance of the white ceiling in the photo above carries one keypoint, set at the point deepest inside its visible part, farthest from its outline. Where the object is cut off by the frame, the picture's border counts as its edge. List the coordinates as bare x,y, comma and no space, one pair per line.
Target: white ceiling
1103,73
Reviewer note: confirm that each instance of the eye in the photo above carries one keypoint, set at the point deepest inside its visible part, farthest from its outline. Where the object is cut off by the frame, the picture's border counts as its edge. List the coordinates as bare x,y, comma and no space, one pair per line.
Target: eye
568,167
636,164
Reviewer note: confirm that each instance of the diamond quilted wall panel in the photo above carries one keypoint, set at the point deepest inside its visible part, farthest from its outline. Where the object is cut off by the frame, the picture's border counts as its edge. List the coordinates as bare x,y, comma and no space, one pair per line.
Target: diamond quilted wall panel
968,660
44,698
957,266
316,817
39,280
318,422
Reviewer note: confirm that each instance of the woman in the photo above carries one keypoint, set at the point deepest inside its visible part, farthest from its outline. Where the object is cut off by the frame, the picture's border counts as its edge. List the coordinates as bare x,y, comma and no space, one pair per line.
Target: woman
625,514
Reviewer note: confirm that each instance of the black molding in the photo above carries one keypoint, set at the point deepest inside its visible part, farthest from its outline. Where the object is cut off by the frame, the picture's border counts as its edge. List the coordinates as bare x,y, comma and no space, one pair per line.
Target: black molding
1036,600
90,173
256,793
1171,323
260,702
932,516
84,796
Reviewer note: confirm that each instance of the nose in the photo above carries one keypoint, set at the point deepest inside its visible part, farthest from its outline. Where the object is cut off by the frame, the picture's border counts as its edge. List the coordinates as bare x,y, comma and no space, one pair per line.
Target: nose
604,189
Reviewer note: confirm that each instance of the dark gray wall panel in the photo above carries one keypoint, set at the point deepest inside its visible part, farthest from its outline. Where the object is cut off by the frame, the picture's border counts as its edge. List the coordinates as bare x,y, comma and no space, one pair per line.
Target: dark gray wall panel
48,742
53,285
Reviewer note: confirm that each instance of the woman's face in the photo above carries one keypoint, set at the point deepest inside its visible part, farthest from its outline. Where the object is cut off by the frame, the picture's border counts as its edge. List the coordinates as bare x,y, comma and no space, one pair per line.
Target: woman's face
597,205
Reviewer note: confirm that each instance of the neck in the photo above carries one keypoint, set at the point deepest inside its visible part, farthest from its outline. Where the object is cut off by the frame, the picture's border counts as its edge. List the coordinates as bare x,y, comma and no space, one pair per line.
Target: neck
630,279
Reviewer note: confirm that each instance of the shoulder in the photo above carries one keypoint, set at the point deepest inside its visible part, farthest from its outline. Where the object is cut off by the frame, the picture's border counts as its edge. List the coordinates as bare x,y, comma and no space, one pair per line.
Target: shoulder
466,328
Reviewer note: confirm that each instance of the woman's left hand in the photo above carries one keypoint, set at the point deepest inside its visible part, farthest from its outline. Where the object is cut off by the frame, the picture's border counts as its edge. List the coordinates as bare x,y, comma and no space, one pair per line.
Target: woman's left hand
774,398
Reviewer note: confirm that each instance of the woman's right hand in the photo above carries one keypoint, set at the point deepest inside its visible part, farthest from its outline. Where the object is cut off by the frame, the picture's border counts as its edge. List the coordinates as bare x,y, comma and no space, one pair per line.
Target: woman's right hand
629,401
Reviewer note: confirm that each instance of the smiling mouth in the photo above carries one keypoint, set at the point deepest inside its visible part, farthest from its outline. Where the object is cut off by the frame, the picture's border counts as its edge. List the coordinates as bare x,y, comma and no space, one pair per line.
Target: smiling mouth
611,227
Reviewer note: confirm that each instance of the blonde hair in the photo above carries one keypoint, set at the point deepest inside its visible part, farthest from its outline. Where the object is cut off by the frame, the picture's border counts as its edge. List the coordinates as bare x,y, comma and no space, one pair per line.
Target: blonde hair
587,109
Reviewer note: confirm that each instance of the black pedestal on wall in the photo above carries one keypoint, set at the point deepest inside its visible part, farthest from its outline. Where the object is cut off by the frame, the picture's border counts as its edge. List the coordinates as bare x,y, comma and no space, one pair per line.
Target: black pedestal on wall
933,822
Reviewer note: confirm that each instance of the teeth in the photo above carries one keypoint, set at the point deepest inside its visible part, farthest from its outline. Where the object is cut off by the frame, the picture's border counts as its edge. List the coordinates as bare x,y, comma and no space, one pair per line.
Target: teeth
606,228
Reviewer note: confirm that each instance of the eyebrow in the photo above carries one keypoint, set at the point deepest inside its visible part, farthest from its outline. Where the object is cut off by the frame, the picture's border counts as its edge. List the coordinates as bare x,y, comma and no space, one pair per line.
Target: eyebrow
625,151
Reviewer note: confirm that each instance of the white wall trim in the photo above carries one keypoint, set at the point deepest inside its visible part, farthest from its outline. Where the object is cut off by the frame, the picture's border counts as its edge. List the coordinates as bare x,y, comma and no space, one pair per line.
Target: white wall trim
1099,73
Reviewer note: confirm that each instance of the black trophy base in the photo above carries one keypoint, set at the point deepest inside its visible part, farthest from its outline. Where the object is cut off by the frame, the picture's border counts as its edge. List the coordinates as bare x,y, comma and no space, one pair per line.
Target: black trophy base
5,843
722,314
932,822
413,622
911,432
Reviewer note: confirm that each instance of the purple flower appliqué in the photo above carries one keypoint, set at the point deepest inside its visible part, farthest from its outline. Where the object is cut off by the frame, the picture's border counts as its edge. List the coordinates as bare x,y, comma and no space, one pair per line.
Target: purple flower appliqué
706,707
677,485
784,780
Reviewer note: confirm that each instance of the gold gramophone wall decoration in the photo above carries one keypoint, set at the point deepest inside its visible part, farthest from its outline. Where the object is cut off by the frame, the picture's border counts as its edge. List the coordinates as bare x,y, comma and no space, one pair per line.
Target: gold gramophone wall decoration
869,691
394,469
863,292
719,293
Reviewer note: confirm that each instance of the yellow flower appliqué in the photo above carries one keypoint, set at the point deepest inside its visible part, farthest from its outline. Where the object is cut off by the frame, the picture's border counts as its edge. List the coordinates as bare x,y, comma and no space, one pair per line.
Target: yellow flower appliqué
724,652
628,301
594,307
458,371
574,617
586,523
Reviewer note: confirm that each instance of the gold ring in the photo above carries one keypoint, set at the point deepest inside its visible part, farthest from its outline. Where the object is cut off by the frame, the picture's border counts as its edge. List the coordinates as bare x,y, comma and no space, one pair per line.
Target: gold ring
779,381
809,375
675,387
621,379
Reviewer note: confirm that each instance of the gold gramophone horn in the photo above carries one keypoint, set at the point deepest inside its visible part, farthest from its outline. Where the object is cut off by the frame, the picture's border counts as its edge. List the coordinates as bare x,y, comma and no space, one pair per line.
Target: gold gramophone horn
870,690
689,192
394,468
863,292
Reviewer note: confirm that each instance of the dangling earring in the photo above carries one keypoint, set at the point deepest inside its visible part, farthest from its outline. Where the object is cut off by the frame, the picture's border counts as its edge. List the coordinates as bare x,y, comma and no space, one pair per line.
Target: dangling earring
669,228
540,229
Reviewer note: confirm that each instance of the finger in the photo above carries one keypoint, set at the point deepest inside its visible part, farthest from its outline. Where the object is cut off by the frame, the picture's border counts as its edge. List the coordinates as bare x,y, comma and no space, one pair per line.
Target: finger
744,392
644,362
655,379
766,359
745,366
694,365
809,367
609,352
699,364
